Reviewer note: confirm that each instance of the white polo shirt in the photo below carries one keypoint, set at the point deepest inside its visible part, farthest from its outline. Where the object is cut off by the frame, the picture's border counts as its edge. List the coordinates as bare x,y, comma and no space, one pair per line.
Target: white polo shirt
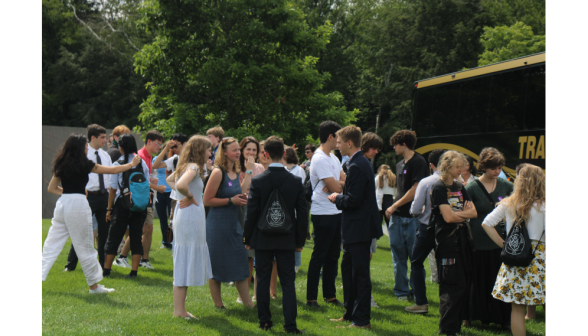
170,167
93,178
323,166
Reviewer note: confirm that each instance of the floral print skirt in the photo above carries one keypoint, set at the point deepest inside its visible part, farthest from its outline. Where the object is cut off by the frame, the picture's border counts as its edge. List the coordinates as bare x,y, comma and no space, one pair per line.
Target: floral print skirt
523,285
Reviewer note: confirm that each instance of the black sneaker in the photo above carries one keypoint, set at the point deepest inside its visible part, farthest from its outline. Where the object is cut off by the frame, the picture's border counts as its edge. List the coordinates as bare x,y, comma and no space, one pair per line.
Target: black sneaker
313,304
335,302
294,331
67,269
266,326
130,276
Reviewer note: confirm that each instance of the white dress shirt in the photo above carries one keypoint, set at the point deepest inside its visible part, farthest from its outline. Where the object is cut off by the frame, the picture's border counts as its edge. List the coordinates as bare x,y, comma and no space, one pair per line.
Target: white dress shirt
94,182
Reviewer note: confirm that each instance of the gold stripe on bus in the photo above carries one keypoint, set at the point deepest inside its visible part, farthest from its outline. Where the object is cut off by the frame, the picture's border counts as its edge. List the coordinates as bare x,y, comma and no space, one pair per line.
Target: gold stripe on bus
476,157
483,70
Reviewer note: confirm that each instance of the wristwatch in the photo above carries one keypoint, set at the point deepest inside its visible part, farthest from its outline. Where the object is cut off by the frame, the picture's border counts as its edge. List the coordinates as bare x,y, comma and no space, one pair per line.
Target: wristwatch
230,201
250,172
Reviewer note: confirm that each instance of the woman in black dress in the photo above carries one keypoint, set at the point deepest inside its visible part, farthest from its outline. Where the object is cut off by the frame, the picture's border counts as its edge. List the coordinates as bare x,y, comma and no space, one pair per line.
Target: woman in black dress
72,216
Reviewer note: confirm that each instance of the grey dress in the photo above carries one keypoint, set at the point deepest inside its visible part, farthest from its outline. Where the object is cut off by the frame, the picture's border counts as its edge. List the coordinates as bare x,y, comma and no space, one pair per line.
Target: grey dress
224,236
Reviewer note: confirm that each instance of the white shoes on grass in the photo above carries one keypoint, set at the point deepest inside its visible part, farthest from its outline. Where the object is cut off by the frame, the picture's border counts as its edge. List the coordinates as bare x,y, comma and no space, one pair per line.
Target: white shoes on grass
101,290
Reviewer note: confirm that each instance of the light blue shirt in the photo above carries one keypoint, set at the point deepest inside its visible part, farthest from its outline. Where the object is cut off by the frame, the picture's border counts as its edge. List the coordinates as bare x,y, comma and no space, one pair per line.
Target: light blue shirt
344,159
503,175
116,180
421,204
276,165
161,176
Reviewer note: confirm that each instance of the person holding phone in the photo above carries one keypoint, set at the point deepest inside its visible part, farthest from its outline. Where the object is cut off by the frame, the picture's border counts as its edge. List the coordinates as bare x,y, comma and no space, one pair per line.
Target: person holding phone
224,236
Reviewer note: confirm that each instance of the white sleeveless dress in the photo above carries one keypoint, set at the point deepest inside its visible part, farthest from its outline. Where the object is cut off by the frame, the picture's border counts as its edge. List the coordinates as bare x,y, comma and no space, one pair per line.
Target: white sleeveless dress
190,251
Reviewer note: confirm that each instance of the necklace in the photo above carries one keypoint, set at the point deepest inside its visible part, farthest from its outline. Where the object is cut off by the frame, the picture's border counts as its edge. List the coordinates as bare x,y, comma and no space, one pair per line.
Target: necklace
486,185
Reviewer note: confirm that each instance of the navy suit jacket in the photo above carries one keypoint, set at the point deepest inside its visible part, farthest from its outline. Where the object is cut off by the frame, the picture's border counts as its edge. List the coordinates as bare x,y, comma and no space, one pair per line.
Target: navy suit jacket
360,219
293,195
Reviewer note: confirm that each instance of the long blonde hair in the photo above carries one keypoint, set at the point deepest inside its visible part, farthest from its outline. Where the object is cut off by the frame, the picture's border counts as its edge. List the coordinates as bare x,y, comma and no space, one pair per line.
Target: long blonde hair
194,151
221,160
529,188
448,160
385,172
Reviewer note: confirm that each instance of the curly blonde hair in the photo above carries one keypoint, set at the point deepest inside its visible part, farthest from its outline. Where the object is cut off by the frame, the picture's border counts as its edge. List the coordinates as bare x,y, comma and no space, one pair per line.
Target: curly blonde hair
448,160
221,160
529,188
385,172
194,151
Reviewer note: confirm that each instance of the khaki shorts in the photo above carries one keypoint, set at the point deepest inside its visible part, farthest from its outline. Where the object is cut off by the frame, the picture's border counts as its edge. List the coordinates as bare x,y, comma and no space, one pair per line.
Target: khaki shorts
149,218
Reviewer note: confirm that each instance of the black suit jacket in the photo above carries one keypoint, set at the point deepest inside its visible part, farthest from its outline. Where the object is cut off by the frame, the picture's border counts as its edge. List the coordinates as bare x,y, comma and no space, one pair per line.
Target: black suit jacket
360,219
293,195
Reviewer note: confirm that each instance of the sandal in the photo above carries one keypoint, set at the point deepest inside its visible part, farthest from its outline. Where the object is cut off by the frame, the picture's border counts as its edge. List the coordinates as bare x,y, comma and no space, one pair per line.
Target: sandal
274,296
221,307
189,317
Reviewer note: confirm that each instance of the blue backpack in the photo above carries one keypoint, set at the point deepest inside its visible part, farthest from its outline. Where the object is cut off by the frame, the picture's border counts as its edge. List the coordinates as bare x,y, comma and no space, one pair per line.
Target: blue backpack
135,190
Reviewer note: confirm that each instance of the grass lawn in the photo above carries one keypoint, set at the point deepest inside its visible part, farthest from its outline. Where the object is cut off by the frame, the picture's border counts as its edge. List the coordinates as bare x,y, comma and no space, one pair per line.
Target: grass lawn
144,306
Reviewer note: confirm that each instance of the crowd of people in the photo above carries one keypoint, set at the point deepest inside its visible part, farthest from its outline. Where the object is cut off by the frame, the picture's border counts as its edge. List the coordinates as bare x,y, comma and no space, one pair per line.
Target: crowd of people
238,211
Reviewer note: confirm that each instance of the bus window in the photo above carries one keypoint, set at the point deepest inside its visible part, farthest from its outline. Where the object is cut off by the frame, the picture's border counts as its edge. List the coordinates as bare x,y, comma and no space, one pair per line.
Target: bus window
535,104
444,111
473,105
422,117
507,104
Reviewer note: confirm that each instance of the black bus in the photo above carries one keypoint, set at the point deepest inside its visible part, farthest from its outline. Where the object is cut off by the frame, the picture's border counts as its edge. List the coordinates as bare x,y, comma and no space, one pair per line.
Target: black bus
500,105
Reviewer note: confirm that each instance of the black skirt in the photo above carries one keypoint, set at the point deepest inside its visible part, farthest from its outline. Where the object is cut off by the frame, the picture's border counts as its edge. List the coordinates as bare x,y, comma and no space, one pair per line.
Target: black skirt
387,202
482,306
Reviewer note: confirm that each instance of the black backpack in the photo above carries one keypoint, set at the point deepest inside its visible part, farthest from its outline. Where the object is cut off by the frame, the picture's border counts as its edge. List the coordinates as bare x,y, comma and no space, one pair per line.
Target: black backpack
308,189
275,218
517,246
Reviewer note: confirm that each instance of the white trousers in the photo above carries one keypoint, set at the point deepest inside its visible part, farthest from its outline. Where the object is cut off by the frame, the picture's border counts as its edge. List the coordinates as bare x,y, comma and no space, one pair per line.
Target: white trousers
72,218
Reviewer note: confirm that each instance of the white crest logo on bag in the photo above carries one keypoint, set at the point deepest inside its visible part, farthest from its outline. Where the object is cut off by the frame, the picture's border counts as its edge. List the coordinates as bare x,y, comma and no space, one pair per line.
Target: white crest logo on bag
275,215
515,243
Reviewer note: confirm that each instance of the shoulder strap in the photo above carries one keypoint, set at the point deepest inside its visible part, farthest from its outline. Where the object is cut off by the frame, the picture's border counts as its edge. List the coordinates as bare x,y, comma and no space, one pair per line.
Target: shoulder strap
485,192
175,162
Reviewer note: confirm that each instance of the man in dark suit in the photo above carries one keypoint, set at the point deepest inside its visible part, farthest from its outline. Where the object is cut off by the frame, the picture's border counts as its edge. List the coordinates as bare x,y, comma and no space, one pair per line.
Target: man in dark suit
359,226
282,246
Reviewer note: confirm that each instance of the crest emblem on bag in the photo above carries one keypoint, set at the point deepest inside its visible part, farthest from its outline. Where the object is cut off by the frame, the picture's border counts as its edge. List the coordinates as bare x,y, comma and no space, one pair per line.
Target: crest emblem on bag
515,243
275,215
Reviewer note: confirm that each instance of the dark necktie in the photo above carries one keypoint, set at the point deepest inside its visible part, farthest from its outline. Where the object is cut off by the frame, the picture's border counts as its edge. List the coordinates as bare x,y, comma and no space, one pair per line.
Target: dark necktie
100,176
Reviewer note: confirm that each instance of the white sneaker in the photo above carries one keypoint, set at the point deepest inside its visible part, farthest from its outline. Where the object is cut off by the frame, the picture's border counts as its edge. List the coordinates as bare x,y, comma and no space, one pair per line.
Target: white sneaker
146,264
296,268
231,283
373,303
239,300
101,290
122,262
403,298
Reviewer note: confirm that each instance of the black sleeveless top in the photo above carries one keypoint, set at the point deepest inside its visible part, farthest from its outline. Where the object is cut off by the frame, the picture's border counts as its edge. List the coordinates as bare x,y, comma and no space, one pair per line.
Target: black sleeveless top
76,183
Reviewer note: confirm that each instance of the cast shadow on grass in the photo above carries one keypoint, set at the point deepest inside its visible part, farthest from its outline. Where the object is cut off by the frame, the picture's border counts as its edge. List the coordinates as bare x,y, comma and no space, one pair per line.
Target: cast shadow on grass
102,299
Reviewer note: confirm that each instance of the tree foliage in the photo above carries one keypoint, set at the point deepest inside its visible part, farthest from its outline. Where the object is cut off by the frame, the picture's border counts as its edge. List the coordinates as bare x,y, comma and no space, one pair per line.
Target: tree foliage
504,43
248,65
88,73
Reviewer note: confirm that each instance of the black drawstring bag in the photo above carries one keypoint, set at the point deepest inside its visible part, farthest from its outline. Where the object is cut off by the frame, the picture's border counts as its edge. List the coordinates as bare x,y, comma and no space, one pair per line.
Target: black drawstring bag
517,246
275,218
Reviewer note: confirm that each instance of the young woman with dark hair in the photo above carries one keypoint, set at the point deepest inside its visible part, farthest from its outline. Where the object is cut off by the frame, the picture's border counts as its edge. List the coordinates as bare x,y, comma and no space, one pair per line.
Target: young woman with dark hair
249,148
122,217
72,216
469,172
482,306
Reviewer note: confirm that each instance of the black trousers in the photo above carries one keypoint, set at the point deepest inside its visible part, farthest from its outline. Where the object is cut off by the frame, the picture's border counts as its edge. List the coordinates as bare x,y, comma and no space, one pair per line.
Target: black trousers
98,204
423,244
263,267
325,255
357,286
163,207
120,219
454,284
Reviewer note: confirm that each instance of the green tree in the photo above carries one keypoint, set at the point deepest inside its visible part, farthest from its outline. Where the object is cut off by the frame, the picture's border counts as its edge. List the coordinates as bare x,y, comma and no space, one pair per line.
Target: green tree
509,12
88,72
248,65
504,43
